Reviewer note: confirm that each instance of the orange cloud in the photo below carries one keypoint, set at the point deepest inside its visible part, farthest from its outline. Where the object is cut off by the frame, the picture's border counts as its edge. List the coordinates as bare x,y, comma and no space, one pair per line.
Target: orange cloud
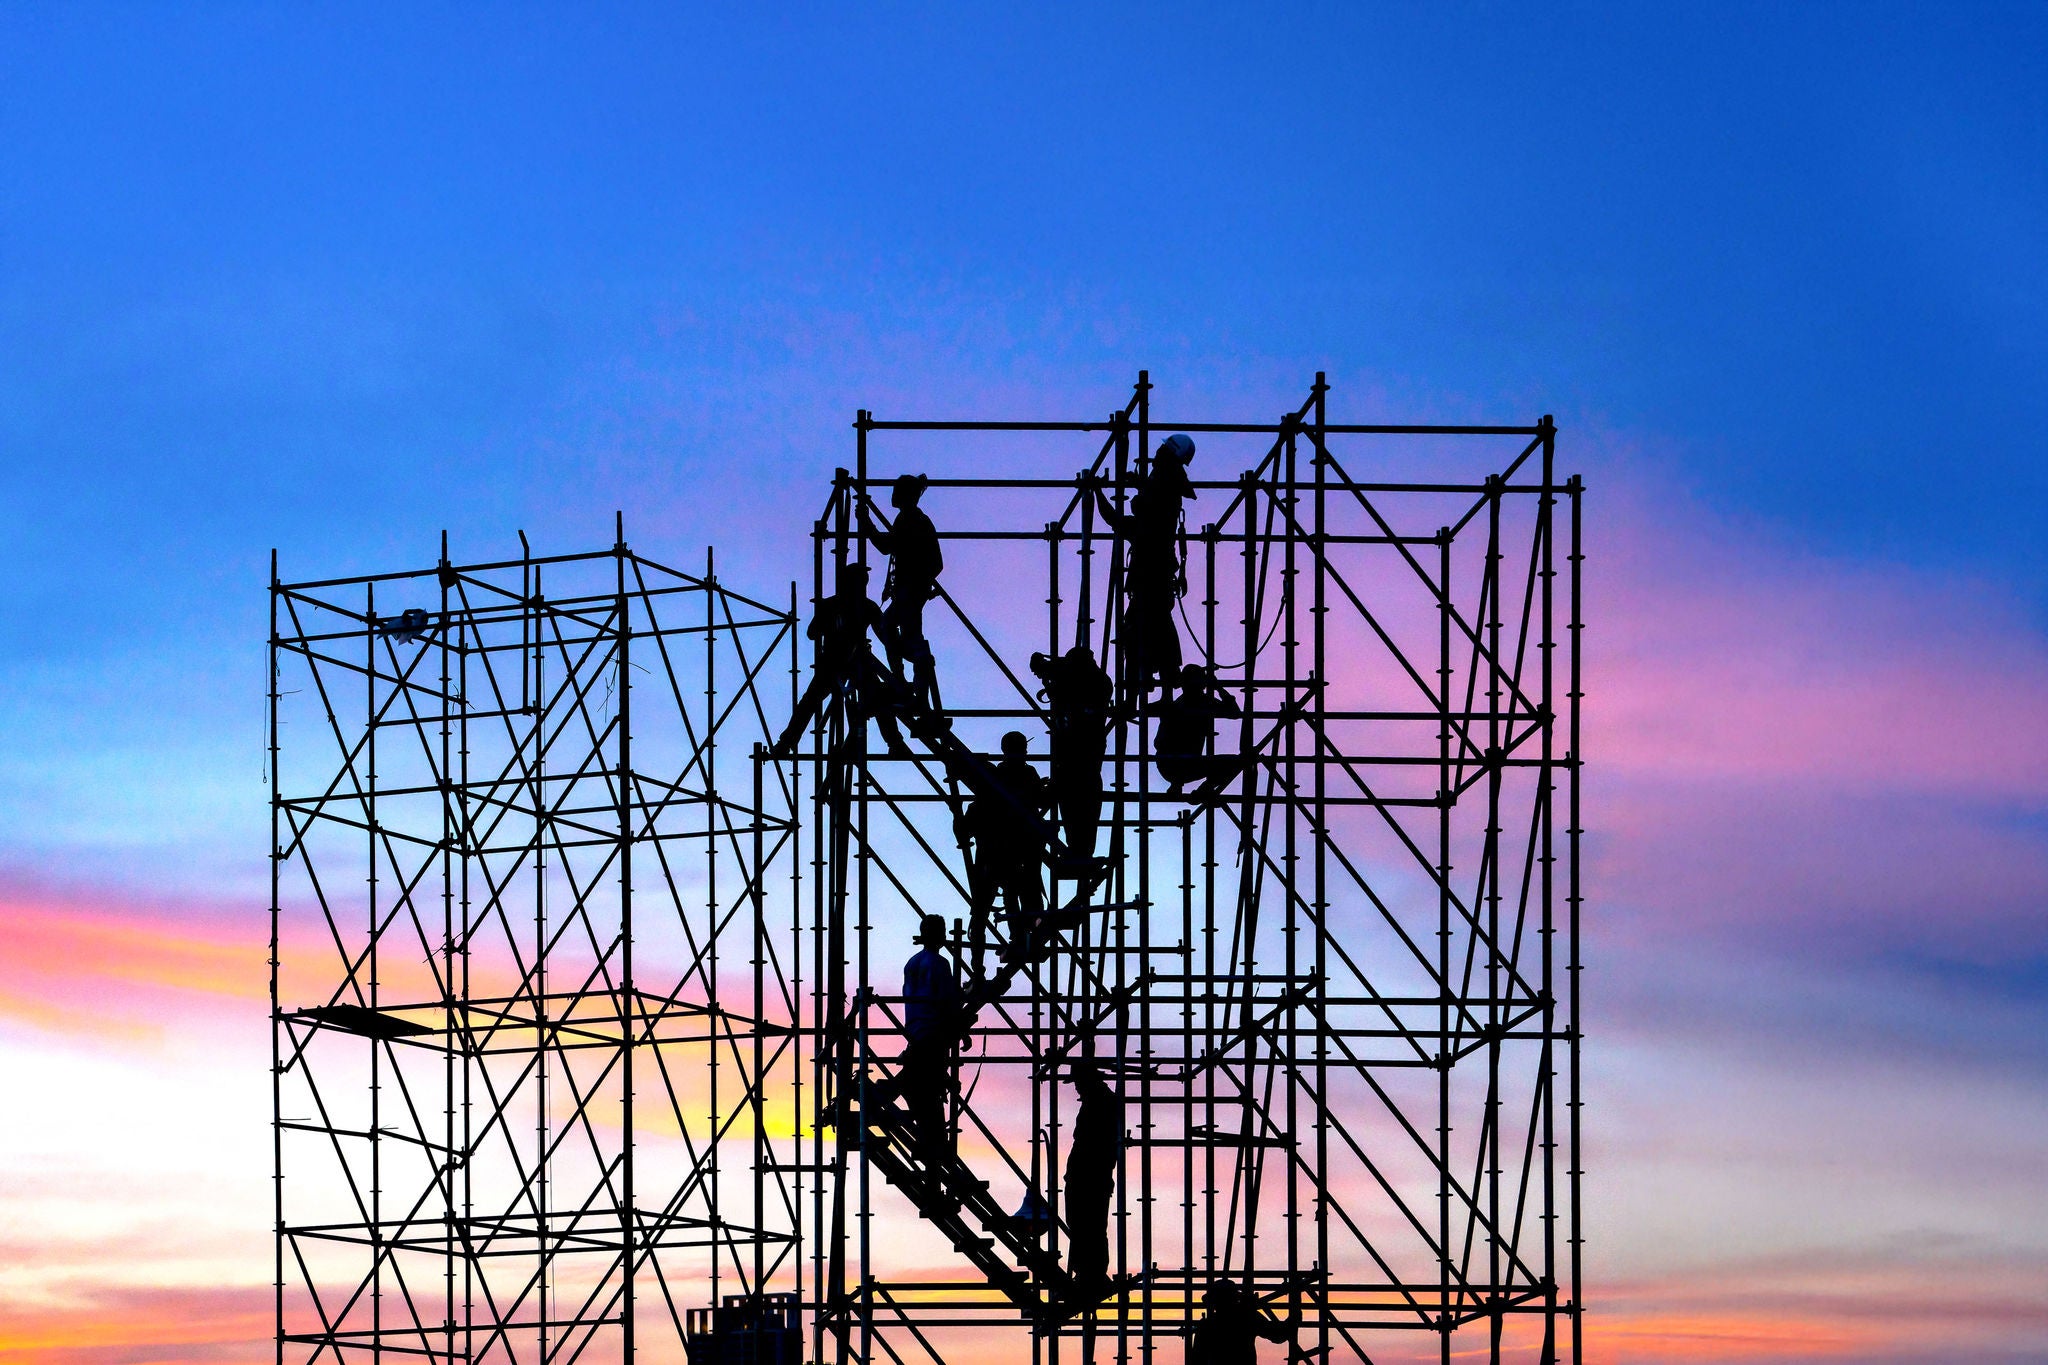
138,1326
1934,1301
119,974
1720,1337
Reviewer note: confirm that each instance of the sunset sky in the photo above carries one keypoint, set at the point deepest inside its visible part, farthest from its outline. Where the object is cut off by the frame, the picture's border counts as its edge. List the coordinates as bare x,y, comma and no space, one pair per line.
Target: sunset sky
330,281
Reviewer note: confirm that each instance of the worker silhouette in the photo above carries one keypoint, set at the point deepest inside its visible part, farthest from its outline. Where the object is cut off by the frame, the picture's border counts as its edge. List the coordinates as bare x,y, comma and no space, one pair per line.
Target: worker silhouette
1091,1180
915,563
1232,1326
844,664
1005,845
1079,696
934,1020
1186,735
1155,569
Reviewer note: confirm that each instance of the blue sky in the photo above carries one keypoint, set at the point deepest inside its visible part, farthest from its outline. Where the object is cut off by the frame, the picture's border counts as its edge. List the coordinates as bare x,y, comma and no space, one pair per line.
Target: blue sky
330,280
270,253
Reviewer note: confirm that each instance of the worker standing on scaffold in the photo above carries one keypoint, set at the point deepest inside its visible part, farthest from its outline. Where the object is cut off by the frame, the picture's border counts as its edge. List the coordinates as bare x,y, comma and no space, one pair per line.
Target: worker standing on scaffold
1155,571
1091,1180
1079,698
915,563
844,664
934,1020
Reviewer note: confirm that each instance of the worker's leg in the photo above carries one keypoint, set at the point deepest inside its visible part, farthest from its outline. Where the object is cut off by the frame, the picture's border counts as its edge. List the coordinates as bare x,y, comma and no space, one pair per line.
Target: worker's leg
1179,769
1088,1234
892,635
1223,769
926,1079
876,695
1077,785
906,621
883,1090
1134,647
1162,654
807,708
981,895
1086,815
1217,771
1024,902
895,640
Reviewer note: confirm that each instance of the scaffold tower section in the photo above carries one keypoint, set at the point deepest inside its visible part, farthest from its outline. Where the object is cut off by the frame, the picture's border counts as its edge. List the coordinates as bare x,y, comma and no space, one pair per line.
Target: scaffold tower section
1333,982
520,967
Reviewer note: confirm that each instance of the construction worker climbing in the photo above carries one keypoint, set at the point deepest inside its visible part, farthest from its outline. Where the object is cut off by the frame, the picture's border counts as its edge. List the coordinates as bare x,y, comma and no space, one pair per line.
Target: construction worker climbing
1079,696
1005,848
1155,571
844,664
915,562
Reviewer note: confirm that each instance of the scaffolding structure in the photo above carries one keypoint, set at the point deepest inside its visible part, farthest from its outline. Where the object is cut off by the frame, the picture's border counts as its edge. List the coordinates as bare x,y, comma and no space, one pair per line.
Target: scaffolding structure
584,1048
519,960
1338,996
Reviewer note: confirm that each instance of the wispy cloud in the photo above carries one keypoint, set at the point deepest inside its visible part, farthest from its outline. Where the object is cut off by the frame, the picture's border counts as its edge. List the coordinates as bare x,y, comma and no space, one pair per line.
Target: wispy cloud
140,1326
122,967
1782,745
1929,1301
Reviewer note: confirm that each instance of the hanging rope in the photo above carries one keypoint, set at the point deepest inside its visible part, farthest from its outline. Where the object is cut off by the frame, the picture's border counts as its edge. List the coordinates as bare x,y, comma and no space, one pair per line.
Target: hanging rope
1286,604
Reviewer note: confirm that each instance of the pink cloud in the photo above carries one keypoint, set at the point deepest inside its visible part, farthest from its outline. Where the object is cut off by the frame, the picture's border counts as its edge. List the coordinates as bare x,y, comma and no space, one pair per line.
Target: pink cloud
1768,858
1778,741
140,1326
1718,651
125,970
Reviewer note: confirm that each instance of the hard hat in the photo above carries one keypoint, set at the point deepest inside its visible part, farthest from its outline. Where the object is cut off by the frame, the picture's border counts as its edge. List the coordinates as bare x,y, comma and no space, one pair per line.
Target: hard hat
1179,446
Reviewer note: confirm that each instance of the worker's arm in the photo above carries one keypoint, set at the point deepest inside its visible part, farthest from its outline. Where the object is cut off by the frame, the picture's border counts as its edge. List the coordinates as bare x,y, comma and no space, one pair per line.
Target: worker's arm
876,622
1272,1330
1109,513
946,991
883,541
